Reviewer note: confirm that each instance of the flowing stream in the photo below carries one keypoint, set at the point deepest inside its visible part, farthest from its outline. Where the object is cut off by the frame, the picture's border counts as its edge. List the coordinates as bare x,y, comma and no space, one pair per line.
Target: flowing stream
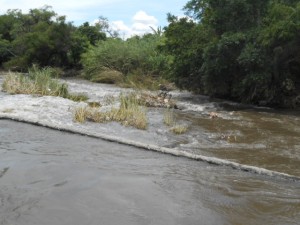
53,177
245,134
49,177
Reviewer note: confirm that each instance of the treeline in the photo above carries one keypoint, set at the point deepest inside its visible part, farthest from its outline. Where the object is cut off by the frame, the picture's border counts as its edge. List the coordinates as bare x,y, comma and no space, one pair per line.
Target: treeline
42,37
243,50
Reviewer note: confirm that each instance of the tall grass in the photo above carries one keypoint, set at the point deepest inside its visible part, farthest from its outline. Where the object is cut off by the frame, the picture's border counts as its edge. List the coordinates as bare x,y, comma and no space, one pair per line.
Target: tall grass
39,82
129,113
169,120
179,129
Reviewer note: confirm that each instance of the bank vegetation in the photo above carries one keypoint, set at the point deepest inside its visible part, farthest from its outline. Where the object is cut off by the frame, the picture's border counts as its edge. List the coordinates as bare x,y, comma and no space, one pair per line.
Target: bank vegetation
243,50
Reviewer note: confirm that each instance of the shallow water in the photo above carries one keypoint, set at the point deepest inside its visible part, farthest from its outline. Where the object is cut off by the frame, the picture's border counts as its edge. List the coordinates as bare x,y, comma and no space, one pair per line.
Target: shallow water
266,139
256,136
242,133
51,177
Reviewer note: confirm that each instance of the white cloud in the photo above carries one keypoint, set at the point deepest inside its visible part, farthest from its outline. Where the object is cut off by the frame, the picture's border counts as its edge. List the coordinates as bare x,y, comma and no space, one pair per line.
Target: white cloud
141,23
140,27
119,25
144,18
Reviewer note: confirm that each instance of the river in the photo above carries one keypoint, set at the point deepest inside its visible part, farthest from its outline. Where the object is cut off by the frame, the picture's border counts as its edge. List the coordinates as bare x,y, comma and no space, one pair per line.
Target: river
53,178
246,134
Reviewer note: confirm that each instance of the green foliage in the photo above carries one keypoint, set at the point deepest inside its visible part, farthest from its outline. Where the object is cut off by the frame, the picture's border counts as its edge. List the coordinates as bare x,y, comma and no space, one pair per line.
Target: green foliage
247,50
137,55
217,72
130,113
282,24
108,76
185,41
39,82
44,38
93,33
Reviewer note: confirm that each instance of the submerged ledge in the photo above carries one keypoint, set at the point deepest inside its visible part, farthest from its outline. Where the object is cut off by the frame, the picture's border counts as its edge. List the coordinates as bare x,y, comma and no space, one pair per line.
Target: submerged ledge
170,151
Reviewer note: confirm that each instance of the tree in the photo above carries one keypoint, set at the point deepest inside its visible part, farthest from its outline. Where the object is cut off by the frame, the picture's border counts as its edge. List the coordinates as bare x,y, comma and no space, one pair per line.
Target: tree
185,41
103,25
93,33
246,50
41,37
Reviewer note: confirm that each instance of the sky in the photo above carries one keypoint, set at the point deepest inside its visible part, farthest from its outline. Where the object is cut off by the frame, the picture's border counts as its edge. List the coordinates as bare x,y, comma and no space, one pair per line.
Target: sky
129,17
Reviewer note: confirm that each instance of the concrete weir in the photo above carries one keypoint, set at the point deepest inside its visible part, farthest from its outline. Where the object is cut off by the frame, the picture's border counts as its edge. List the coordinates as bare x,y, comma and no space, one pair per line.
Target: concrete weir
170,151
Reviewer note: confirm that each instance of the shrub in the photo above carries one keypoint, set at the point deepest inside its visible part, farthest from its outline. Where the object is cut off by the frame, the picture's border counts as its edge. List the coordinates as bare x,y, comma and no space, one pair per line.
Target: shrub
108,76
135,57
130,113
40,82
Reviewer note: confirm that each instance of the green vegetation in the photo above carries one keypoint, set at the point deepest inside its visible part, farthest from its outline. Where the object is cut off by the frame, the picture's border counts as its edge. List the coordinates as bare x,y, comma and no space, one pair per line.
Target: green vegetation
169,120
129,113
135,62
243,50
39,82
179,129
81,114
42,37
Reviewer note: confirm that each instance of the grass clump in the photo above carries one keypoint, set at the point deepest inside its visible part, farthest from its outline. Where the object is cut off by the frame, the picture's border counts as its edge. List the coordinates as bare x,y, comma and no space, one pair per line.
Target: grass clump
169,120
77,97
129,113
108,76
139,81
179,129
39,82
80,114
94,104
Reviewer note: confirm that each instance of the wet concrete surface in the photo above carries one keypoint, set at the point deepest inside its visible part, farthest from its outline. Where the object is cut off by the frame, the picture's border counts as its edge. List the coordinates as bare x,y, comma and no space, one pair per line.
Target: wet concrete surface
49,177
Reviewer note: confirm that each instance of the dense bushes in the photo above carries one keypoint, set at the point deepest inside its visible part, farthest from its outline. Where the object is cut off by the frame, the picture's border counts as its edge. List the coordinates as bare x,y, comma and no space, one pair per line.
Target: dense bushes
137,55
246,50
44,38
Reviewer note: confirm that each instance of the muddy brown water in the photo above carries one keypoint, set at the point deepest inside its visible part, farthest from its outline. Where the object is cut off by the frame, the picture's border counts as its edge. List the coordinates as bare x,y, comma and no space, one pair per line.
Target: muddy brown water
49,177
246,134
260,137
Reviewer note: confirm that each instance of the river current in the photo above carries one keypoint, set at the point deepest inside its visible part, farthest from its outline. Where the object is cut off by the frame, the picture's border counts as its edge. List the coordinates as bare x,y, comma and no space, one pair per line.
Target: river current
49,177
245,134
52,177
